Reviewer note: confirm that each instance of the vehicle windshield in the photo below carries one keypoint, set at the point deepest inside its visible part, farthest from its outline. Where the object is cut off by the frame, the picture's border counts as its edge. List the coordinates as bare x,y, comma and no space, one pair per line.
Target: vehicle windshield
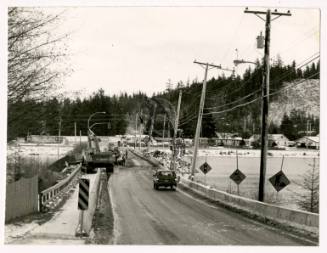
166,173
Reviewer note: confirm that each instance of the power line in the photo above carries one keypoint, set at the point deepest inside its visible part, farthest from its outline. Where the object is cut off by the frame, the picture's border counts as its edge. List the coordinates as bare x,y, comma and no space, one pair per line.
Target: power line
191,116
274,81
233,102
256,99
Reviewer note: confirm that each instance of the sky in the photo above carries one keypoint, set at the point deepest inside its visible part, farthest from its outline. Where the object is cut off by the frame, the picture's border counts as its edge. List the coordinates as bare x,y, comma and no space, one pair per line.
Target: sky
130,49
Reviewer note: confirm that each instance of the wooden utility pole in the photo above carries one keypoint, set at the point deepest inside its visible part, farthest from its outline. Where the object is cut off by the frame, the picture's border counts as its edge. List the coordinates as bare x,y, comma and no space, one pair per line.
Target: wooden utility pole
265,96
173,165
152,124
59,128
59,135
135,139
140,130
75,132
198,126
163,132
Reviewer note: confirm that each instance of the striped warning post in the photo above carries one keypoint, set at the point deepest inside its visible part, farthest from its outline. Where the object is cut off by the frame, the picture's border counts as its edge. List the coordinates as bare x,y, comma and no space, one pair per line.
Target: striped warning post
83,194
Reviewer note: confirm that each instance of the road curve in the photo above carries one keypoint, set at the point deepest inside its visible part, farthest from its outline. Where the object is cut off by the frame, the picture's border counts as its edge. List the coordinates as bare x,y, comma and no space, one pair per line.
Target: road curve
144,216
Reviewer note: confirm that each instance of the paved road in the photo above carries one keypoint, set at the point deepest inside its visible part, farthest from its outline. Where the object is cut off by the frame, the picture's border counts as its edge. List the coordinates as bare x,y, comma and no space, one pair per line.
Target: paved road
146,216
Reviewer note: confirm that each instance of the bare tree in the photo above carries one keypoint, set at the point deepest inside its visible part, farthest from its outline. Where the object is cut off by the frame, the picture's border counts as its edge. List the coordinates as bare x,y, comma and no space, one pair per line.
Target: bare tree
309,200
34,49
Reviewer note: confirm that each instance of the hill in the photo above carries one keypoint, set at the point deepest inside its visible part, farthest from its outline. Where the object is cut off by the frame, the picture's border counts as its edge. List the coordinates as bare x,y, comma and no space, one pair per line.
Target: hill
304,96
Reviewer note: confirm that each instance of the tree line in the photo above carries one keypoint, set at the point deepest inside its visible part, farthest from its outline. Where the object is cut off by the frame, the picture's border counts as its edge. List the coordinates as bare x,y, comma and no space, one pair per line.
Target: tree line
222,93
49,116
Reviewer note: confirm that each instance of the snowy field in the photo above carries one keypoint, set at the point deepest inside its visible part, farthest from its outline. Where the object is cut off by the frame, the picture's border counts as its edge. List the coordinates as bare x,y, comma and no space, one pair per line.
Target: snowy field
223,163
43,153
222,167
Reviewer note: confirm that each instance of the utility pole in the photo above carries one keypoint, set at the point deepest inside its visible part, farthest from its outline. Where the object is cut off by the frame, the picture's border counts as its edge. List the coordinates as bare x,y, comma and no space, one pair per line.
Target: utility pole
135,139
59,128
163,132
265,95
140,129
59,135
198,126
75,131
173,165
152,124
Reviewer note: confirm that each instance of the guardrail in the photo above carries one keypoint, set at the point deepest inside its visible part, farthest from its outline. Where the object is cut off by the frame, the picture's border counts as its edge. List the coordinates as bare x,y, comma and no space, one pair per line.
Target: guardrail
296,219
51,197
149,159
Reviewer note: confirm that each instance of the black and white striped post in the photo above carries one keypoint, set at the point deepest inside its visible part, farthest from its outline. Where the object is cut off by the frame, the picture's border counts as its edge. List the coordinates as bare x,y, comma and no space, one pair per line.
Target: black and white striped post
83,204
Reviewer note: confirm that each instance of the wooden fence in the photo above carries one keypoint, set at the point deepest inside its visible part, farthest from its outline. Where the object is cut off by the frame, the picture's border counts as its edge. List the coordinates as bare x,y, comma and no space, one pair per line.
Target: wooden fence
21,198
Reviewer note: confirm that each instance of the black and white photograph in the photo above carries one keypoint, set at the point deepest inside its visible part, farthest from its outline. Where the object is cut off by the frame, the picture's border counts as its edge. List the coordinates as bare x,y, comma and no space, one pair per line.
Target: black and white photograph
162,125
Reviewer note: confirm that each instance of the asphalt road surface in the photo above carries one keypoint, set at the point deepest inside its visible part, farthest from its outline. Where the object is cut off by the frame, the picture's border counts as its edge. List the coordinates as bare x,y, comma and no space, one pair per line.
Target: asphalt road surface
143,215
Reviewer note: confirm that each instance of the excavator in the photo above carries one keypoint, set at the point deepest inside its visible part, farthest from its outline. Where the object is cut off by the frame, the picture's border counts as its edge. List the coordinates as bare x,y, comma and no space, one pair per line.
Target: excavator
94,158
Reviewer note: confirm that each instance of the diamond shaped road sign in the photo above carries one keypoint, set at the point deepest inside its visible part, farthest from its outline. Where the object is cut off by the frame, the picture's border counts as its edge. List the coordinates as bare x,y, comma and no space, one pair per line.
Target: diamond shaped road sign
279,181
205,168
237,176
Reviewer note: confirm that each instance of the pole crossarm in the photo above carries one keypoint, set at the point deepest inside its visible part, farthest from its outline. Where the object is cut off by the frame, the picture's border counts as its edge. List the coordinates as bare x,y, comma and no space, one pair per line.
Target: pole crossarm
236,62
275,12
212,65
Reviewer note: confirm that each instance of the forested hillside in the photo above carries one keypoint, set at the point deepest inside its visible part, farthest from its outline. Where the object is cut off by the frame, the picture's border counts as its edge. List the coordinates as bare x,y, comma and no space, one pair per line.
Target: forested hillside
232,104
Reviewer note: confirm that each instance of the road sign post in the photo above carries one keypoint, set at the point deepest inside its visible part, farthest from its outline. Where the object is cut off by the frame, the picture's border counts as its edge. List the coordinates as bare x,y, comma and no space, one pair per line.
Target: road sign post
237,176
83,204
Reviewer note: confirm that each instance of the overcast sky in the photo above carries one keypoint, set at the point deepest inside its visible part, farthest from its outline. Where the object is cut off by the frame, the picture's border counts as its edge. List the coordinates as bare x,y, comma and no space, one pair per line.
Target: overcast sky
139,48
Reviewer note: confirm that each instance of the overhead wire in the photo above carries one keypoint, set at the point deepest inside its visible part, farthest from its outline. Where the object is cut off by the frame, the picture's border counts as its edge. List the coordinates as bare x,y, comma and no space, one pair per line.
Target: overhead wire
256,99
193,116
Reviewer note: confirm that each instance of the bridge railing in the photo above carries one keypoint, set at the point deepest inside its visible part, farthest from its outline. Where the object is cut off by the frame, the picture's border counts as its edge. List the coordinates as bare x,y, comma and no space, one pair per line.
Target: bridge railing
49,197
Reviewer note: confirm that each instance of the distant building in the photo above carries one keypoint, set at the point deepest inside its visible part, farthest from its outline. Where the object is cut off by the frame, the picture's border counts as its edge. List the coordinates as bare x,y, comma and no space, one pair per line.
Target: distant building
203,142
274,140
308,142
188,142
227,139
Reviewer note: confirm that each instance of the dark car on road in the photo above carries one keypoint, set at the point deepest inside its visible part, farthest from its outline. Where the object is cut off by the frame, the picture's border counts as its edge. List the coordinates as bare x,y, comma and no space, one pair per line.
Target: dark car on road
166,178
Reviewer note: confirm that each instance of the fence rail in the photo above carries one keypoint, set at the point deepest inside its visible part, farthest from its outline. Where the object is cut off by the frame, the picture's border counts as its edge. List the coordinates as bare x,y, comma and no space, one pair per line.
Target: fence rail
49,197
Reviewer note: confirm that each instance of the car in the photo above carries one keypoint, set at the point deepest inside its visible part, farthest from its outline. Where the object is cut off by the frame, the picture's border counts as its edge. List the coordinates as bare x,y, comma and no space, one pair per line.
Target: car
166,178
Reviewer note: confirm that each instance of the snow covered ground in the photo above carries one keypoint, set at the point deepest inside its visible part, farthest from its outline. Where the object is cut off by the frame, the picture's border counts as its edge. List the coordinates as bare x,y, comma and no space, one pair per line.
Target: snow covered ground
223,163
42,152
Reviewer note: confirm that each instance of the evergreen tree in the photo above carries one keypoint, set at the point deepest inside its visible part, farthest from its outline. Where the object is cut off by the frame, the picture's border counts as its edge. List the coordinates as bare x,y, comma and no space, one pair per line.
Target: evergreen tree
208,126
309,200
287,127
